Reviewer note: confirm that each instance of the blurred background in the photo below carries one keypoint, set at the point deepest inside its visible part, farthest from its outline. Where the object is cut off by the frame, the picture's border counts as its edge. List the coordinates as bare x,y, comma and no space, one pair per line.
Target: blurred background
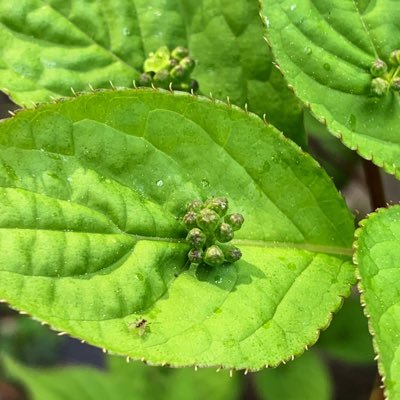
37,364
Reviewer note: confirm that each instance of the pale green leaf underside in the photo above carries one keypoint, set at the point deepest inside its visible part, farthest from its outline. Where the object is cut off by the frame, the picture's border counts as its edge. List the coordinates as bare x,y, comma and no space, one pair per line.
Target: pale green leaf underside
377,256
49,46
90,239
304,379
133,381
325,49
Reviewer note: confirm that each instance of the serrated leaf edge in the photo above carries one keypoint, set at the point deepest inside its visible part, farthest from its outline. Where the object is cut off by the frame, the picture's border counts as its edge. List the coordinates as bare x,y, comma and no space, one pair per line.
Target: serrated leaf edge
357,234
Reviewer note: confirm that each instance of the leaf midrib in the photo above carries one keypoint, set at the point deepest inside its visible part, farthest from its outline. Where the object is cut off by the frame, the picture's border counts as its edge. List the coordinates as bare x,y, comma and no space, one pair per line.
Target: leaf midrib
311,247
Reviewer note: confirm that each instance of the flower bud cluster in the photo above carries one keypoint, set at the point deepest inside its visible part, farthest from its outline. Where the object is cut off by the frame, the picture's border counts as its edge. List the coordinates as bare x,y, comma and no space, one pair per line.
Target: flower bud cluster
210,229
385,78
165,69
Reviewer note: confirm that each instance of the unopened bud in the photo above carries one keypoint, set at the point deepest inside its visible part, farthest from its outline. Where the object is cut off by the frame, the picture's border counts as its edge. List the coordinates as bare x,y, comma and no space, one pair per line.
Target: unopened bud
396,84
195,256
189,219
162,77
145,79
178,73
224,232
196,237
394,57
179,52
235,221
188,65
378,68
214,256
379,86
218,204
231,253
207,219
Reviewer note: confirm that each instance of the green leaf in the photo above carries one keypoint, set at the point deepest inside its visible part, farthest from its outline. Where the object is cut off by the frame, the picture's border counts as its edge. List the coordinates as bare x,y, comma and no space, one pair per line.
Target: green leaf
348,338
305,378
337,160
93,190
325,49
177,384
122,381
377,256
49,47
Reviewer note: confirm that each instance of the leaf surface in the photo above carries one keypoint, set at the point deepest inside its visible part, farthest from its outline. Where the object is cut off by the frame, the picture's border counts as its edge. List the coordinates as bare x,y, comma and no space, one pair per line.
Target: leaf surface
92,193
377,256
325,49
48,47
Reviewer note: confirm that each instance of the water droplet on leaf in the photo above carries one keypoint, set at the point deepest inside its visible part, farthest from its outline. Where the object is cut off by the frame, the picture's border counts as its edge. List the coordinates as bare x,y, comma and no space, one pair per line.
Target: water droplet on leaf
160,183
308,50
327,67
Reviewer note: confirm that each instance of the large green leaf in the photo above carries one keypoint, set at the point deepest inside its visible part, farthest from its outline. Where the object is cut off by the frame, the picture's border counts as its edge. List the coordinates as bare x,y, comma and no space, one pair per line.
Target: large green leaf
122,381
306,378
47,47
377,256
90,241
325,49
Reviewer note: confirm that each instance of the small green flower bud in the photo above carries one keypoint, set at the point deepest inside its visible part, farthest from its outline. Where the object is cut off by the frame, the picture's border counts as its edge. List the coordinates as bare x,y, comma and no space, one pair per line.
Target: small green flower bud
235,221
396,84
394,57
178,73
196,237
173,62
231,253
189,219
195,256
162,78
207,219
188,64
379,86
145,79
218,204
224,232
179,53
214,256
194,205
378,68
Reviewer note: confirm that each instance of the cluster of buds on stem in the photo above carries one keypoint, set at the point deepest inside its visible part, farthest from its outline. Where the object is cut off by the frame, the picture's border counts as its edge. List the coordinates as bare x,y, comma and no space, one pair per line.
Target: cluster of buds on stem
165,69
384,78
210,229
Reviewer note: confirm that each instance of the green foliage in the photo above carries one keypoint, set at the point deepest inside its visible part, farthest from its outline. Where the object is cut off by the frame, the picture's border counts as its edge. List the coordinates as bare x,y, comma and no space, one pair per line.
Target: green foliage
28,341
348,338
122,381
47,48
93,193
377,256
326,49
305,378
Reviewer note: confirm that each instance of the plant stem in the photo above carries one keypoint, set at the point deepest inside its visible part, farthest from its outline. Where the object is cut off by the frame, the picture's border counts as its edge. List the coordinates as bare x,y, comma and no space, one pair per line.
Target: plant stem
374,184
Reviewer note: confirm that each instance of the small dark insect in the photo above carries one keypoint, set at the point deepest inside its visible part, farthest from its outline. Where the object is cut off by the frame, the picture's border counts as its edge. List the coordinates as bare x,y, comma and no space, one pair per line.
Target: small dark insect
141,325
